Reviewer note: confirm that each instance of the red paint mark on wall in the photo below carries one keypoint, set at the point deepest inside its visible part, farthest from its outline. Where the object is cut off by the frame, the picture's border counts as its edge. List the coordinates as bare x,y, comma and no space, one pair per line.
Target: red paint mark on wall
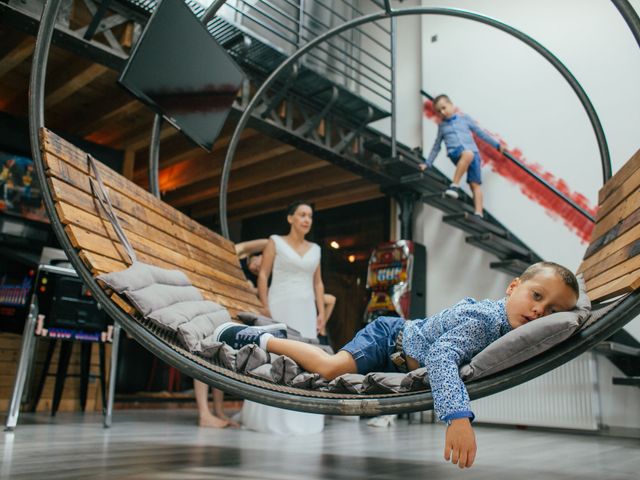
554,205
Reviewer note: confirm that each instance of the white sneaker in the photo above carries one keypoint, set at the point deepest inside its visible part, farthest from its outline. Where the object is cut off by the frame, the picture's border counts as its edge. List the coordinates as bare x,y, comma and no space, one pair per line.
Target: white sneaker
453,192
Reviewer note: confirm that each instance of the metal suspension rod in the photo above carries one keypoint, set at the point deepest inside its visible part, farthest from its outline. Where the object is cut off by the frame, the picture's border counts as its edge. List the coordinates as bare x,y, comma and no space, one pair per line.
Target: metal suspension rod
630,16
566,74
394,96
154,156
211,11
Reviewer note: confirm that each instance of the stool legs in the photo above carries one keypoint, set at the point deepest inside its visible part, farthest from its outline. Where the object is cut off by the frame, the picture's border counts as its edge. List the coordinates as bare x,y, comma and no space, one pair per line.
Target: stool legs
112,373
43,374
85,368
26,354
61,375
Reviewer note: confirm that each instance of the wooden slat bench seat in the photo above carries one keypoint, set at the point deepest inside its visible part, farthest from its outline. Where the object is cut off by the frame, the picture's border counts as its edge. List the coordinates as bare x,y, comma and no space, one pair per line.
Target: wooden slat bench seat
611,265
160,234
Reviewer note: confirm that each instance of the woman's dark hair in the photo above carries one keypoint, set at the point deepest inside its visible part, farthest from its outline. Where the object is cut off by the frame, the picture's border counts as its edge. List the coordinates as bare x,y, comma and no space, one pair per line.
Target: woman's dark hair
291,209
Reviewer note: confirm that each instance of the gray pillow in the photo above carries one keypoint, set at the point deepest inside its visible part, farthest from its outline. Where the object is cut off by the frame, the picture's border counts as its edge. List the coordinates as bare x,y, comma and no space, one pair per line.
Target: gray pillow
528,340
199,327
139,275
167,298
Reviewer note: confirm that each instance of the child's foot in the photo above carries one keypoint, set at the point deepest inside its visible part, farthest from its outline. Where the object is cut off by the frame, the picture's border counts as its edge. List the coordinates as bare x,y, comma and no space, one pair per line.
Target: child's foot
237,336
211,421
453,192
479,214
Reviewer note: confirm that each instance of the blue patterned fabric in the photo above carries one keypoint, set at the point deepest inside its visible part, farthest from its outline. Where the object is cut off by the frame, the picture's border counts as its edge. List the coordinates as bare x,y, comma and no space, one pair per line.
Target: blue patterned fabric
456,133
444,341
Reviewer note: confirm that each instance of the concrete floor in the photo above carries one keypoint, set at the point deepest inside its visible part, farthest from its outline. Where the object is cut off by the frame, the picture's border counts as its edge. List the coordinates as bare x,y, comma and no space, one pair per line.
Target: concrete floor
167,444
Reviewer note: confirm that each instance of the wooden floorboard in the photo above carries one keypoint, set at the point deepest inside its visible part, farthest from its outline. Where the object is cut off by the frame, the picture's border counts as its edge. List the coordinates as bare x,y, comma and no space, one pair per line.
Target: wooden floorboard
167,444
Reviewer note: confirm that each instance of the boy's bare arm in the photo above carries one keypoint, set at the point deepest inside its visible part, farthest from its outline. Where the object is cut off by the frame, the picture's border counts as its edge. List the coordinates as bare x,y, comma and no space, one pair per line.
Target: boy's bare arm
460,443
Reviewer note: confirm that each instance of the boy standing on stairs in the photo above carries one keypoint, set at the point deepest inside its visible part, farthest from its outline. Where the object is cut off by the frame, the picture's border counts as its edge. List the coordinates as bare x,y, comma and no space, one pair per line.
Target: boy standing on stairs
455,129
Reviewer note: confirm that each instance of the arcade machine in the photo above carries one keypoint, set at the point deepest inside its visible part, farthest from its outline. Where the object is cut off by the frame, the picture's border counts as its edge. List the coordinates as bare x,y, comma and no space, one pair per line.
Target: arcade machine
56,306
397,279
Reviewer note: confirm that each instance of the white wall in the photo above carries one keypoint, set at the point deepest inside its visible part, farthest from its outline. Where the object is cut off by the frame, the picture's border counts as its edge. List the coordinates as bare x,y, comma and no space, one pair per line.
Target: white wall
513,91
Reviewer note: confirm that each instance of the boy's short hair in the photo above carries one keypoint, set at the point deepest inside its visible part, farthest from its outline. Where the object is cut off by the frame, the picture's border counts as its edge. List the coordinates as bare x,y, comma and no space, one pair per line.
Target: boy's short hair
442,96
564,273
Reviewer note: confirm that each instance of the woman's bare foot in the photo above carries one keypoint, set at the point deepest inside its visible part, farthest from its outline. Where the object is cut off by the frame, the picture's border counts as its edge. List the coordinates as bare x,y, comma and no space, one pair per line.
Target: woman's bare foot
230,422
211,421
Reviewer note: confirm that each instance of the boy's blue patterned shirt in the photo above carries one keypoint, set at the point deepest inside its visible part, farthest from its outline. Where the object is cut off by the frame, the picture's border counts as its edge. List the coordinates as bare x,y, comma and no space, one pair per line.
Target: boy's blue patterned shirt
456,133
448,339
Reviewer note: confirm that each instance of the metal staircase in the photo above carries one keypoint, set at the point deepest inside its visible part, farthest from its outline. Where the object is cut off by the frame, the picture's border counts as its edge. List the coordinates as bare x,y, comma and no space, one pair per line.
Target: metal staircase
624,352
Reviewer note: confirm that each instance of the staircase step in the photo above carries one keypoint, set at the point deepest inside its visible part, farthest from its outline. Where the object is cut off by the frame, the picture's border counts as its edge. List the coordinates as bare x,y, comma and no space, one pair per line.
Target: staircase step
633,381
446,204
473,224
501,247
616,349
426,182
512,266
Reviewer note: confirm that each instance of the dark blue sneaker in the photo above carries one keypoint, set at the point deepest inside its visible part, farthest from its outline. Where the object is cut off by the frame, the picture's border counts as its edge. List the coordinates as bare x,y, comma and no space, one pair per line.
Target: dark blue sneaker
237,336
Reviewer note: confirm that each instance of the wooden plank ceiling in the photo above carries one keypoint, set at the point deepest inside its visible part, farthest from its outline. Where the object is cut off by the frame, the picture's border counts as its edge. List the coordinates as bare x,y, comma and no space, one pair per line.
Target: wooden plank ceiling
83,100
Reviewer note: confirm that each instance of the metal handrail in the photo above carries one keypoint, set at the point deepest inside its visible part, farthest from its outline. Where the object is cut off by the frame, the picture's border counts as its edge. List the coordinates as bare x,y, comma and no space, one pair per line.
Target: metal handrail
538,178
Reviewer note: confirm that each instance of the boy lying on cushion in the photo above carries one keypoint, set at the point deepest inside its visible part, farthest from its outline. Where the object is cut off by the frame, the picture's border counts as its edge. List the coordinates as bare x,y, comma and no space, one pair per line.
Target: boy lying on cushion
441,343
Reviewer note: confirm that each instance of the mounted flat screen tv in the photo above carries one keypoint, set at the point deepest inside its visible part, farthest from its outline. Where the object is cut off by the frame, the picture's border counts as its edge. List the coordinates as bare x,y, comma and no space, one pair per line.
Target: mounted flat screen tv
178,69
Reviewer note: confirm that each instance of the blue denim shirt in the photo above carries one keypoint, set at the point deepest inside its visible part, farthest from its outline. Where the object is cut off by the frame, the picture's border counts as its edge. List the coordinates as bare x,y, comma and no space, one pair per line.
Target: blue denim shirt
456,133
448,339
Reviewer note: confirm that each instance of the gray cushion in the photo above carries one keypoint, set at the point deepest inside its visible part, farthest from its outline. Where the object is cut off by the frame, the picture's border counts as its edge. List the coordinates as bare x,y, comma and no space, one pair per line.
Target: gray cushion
139,275
167,298
528,340
157,296
195,330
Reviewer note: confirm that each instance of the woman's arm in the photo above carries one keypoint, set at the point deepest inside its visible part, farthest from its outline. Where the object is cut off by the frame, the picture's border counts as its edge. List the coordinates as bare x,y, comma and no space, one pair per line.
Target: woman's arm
244,249
318,288
268,256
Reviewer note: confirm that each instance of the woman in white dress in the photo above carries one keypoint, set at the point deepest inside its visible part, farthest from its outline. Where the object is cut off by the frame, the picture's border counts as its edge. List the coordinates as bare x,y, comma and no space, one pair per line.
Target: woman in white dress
295,297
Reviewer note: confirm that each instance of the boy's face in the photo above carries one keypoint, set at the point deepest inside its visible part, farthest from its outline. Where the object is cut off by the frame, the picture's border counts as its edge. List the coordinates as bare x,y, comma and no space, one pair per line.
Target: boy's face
444,108
541,295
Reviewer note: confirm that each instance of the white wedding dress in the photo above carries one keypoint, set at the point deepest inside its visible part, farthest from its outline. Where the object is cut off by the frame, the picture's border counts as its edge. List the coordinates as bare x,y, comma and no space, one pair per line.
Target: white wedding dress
291,301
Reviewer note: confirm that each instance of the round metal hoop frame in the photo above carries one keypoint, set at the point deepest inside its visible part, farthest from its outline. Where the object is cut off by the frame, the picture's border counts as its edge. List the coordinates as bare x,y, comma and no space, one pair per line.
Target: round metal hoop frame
628,309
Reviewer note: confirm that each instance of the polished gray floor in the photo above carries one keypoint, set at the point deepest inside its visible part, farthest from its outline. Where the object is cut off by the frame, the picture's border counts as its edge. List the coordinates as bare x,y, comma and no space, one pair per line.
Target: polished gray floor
165,444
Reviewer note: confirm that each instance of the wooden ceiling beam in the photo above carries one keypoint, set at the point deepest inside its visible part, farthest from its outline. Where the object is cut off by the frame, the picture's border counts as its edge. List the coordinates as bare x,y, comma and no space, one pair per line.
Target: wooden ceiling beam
77,82
264,172
143,140
17,55
345,194
296,186
131,107
195,159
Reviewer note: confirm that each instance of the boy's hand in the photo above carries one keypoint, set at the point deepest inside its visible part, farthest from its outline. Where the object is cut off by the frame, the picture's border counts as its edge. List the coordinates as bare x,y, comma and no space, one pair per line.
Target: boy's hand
460,443
501,148
423,167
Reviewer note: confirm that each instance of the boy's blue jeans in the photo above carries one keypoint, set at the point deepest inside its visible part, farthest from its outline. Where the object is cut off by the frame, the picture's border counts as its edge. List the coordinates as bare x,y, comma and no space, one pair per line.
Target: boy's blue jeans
372,346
